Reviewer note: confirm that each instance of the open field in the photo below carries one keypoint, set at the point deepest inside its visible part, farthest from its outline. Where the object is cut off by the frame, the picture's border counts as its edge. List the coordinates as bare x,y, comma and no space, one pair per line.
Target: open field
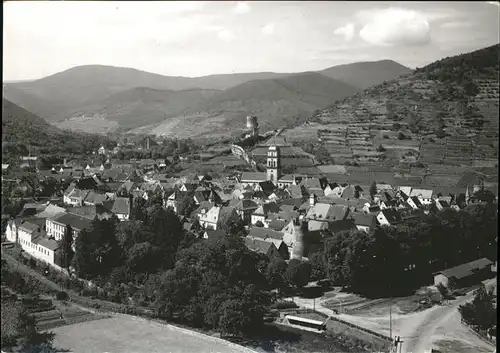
128,334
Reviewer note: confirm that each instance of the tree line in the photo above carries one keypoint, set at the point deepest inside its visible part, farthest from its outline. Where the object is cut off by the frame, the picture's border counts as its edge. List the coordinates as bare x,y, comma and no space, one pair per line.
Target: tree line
391,260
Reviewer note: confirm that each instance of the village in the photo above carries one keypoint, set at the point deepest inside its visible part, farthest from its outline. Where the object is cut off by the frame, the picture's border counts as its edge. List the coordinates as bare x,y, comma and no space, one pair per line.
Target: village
282,215
269,204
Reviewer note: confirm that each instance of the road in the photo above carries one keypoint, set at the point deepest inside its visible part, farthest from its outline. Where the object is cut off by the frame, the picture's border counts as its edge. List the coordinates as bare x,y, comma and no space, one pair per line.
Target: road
419,331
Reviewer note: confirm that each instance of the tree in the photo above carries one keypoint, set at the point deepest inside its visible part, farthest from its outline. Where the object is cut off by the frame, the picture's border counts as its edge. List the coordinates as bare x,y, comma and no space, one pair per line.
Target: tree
481,312
259,224
143,258
276,273
356,194
401,136
186,206
298,273
67,247
380,148
373,190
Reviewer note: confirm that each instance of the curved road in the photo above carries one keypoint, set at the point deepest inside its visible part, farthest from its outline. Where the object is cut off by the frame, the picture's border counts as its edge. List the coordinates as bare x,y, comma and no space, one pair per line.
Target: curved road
418,330
421,330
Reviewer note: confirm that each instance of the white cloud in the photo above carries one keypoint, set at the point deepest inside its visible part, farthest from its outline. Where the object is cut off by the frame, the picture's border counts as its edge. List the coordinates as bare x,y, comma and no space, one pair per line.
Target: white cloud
496,3
347,31
268,29
225,34
396,26
241,8
456,24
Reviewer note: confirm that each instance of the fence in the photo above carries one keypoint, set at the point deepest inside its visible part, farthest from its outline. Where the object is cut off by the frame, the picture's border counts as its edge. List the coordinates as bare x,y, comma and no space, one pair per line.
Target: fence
376,334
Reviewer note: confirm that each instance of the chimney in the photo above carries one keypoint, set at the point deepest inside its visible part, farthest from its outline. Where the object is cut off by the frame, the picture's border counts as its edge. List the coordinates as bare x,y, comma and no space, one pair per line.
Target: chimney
65,162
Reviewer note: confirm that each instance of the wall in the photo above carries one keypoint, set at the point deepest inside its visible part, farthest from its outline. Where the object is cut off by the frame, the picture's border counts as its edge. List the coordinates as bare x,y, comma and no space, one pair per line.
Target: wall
440,278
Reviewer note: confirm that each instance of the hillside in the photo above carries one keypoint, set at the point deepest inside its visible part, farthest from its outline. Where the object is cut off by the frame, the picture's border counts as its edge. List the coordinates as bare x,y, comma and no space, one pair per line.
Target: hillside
77,88
429,125
83,89
276,102
135,107
366,74
22,130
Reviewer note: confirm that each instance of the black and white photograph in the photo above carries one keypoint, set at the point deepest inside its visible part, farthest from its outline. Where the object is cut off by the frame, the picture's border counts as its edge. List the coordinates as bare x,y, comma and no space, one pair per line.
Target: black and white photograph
250,177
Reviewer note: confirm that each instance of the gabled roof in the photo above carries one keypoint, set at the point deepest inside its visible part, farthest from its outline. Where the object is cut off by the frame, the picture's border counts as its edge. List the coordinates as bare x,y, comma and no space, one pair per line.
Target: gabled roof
349,192
364,220
287,216
219,233
267,187
120,205
266,208
277,224
128,186
51,211
296,191
50,244
69,189
257,245
95,198
466,269
416,201
244,205
311,183
253,177
75,221
426,194
392,216
287,178
28,227
264,233
327,212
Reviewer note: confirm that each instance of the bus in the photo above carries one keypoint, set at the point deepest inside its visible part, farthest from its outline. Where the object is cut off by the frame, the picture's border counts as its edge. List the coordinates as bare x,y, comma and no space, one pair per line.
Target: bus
308,323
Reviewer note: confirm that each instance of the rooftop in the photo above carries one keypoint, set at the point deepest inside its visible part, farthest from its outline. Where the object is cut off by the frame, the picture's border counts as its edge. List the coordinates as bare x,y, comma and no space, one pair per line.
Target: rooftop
466,269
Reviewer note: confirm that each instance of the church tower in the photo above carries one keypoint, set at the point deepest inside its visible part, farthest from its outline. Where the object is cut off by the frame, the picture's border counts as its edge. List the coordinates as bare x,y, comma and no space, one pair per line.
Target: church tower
273,164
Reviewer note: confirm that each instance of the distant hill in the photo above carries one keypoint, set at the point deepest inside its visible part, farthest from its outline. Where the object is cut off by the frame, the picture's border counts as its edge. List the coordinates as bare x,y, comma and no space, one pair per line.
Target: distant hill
140,106
442,115
276,102
366,74
22,129
85,88
79,87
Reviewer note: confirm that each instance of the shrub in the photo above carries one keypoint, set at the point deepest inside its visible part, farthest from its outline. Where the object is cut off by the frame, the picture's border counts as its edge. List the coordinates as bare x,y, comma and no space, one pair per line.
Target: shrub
62,295
401,136
440,133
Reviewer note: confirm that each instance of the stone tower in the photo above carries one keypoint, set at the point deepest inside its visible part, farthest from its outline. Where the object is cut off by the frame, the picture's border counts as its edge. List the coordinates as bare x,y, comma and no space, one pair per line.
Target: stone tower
273,164
299,230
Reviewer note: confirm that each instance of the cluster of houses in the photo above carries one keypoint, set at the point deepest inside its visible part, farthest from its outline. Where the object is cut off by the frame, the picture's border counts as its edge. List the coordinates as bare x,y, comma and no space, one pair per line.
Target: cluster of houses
282,214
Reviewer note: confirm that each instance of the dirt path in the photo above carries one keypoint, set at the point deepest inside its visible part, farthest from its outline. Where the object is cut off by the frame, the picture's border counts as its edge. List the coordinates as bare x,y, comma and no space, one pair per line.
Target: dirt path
420,332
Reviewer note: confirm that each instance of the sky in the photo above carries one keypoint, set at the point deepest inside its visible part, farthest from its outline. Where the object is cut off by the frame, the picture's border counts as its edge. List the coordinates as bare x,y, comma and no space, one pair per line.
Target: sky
200,38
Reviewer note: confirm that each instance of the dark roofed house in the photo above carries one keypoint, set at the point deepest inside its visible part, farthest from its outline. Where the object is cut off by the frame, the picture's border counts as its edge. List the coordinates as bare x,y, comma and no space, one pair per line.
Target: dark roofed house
389,217
464,275
120,206
261,246
211,234
364,222
244,208
94,198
